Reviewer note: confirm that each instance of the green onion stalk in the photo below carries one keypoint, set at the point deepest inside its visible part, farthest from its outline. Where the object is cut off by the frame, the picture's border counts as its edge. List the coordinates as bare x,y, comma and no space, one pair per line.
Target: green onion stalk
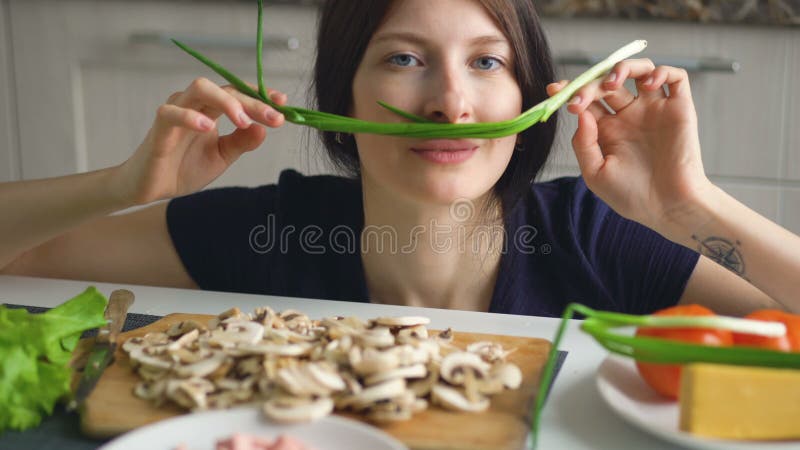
417,127
599,324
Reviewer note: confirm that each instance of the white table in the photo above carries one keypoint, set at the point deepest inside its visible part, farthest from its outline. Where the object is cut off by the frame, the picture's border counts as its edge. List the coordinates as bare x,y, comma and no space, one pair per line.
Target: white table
575,417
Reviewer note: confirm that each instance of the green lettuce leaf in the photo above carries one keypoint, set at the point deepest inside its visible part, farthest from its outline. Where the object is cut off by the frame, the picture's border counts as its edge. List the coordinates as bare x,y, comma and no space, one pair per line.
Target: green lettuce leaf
35,350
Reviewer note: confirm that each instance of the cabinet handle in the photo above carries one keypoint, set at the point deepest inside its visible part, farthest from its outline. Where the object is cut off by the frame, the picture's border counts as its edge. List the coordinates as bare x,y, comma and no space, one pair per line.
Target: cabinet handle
219,42
709,64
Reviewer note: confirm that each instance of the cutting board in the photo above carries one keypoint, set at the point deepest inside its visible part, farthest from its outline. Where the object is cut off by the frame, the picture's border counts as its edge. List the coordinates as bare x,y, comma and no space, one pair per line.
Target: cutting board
112,409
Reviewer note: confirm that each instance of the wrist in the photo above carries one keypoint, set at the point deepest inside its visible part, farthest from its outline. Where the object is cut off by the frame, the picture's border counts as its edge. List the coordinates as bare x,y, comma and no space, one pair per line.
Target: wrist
120,195
702,208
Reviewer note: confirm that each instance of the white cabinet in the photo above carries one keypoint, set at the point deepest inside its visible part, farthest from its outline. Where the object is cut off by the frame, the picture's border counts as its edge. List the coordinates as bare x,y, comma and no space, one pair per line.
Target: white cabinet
91,74
9,156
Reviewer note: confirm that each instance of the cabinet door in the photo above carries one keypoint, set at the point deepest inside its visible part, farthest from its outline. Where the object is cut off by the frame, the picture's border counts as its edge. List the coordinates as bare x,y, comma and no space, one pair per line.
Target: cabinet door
91,75
9,156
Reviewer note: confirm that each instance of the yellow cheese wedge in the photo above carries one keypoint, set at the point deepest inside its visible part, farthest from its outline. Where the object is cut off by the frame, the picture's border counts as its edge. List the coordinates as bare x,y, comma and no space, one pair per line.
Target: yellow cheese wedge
733,402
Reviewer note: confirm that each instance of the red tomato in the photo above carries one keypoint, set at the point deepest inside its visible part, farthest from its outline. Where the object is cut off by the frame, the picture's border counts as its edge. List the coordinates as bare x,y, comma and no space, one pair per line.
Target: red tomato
788,343
666,378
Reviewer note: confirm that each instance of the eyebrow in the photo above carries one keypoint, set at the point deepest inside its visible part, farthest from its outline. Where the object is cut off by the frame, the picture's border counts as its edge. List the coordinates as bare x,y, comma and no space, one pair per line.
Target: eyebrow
418,39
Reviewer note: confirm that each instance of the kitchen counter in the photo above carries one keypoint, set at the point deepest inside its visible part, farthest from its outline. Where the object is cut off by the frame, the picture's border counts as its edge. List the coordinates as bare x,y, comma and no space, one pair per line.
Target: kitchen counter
575,417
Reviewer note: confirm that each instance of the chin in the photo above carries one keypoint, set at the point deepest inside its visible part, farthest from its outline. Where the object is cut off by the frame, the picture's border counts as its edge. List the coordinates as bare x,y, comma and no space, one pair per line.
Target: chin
447,190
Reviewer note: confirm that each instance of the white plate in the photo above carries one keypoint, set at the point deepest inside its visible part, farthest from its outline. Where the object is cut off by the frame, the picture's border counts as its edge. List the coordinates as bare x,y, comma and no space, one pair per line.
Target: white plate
627,394
201,431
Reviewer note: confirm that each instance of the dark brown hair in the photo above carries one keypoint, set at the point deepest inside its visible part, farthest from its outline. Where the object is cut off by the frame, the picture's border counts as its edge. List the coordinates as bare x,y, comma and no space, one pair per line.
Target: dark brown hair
345,29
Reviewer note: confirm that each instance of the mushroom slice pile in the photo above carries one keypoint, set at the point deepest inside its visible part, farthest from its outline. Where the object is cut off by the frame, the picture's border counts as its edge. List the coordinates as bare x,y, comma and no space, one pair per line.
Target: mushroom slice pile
300,369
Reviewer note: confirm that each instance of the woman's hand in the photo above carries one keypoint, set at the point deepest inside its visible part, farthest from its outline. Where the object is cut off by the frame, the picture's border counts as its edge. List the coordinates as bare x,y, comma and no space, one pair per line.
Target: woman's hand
643,159
183,151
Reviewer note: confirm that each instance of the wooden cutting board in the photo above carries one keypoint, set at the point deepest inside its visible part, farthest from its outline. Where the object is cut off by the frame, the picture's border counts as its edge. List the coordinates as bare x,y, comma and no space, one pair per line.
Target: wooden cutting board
112,409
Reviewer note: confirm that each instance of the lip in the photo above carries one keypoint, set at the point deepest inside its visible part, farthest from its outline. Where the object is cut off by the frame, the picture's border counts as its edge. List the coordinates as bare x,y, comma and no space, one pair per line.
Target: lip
446,151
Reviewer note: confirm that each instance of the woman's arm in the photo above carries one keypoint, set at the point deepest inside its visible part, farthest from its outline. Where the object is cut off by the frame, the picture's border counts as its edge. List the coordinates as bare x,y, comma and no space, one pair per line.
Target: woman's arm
133,248
643,159
59,227
743,242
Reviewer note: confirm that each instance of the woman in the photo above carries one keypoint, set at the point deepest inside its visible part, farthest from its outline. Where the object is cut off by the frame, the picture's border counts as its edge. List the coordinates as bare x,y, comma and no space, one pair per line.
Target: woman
416,222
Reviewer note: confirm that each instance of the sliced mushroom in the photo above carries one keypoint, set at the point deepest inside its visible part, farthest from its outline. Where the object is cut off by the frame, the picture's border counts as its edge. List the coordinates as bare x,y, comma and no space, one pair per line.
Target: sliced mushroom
191,393
151,390
383,391
295,410
410,335
183,327
383,367
509,374
201,368
326,376
408,355
490,351
456,364
372,361
415,371
236,333
404,321
445,336
185,340
421,388
301,382
269,348
453,399
265,316
140,357
380,337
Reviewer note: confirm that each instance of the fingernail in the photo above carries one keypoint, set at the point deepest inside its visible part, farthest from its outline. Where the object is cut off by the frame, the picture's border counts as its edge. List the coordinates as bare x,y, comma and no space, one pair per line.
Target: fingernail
271,114
648,81
611,77
245,120
576,100
205,123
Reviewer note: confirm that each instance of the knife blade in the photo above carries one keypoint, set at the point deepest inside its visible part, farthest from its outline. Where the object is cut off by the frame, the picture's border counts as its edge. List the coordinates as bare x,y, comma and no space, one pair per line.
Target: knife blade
105,345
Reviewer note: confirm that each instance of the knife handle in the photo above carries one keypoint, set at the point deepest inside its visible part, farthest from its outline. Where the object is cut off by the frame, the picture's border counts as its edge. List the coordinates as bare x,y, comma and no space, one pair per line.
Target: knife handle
118,304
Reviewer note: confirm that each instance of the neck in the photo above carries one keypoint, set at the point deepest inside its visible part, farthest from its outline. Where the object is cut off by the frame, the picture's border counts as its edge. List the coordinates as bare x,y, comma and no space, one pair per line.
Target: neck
422,255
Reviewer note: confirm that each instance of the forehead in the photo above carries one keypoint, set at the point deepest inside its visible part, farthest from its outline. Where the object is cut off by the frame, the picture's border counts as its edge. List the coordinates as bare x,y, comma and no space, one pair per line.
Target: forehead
450,21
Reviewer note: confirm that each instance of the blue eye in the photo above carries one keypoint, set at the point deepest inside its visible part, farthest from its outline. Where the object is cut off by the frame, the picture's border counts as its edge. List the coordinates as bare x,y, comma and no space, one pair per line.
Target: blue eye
404,60
488,63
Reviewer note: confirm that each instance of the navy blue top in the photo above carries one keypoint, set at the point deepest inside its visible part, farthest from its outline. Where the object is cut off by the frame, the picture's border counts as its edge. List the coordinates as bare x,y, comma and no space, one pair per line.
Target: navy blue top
301,238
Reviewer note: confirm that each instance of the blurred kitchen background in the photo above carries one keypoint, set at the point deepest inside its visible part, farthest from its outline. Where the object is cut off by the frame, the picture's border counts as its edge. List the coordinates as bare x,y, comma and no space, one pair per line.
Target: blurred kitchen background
80,80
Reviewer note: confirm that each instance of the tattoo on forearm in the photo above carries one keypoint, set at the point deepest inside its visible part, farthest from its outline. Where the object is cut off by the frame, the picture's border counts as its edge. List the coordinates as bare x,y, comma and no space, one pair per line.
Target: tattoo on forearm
723,251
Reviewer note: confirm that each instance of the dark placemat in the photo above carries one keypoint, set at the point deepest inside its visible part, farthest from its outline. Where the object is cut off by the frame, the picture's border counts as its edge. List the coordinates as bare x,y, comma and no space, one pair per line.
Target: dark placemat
61,431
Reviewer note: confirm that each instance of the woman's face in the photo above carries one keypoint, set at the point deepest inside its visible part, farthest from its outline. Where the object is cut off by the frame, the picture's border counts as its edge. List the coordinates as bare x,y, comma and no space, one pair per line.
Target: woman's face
448,61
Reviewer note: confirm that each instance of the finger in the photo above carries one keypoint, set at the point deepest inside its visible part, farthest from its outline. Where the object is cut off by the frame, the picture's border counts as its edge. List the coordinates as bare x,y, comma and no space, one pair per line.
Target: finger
618,97
257,109
168,116
587,149
587,96
629,68
243,140
174,97
677,79
598,110
555,88
207,95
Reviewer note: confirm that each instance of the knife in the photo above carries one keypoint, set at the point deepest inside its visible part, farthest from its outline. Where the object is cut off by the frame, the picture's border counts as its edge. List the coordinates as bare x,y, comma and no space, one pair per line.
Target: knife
102,353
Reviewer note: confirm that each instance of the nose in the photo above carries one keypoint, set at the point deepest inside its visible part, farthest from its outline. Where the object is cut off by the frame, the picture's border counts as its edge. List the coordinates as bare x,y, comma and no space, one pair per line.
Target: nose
447,101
